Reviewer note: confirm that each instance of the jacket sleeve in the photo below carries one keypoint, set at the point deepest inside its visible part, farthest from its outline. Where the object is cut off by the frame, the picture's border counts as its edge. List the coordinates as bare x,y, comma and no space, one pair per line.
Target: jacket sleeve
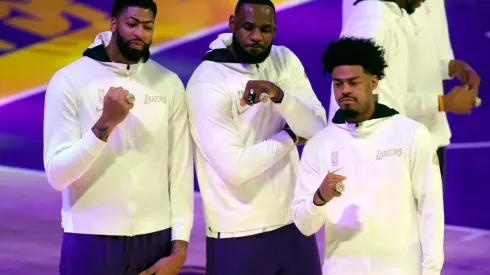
300,107
427,186
439,20
421,103
180,167
218,139
308,217
68,153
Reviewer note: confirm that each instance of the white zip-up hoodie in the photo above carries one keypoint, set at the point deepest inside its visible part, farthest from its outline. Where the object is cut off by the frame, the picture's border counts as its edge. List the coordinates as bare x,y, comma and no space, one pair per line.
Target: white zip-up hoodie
246,165
390,219
140,180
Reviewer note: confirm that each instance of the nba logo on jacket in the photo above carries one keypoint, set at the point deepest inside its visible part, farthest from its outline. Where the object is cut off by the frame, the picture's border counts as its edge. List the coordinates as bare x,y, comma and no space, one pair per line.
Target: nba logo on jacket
335,158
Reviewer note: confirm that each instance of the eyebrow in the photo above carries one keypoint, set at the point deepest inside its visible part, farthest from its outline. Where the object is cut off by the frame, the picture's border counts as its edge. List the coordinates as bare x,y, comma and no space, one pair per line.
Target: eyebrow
139,21
352,78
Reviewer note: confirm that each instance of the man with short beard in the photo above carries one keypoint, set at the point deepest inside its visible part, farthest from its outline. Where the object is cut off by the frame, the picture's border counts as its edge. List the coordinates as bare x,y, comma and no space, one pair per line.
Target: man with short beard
117,146
250,103
371,177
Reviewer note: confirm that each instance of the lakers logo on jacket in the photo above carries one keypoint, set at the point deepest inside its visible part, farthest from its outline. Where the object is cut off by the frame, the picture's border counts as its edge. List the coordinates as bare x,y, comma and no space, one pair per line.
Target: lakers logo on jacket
389,153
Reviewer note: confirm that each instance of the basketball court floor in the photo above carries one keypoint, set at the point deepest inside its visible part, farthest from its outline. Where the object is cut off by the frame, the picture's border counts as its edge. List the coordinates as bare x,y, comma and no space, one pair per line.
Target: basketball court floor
31,50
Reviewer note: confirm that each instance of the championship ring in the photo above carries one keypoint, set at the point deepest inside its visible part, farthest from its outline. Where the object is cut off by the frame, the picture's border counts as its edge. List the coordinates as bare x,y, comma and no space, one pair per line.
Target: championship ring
264,98
251,97
340,187
130,98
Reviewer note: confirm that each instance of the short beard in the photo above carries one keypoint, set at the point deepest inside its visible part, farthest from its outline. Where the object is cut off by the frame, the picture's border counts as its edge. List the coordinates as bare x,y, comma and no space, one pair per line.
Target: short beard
128,53
245,57
349,113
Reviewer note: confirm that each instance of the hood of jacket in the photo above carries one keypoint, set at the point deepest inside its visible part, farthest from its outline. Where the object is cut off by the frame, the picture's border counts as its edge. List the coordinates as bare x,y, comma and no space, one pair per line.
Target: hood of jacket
96,51
365,128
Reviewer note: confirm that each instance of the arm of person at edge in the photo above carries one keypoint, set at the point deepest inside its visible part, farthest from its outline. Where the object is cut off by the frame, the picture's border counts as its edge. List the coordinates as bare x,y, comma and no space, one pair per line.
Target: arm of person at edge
450,68
68,153
308,210
427,189
181,182
218,140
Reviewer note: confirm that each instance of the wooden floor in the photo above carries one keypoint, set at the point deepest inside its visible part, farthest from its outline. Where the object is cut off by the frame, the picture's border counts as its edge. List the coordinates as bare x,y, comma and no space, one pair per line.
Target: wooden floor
30,232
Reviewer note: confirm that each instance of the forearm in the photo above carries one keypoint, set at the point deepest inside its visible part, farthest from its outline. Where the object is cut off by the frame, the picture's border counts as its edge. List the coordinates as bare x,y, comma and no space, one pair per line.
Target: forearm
67,163
237,163
305,118
421,104
309,215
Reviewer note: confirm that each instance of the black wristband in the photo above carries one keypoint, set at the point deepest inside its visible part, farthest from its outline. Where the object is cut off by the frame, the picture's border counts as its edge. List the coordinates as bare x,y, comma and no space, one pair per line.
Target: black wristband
320,195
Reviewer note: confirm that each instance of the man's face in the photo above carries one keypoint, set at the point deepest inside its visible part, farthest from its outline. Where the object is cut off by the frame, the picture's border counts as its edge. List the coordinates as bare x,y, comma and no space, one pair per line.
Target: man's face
254,28
412,5
353,89
134,32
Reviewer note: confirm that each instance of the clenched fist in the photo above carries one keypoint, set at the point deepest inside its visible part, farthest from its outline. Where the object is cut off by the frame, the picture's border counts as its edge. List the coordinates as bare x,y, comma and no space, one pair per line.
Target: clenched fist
116,107
328,189
460,100
255,90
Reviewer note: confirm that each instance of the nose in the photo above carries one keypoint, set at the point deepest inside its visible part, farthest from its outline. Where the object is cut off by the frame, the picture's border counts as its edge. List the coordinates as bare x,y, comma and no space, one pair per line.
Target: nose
256,35
138,31
346,89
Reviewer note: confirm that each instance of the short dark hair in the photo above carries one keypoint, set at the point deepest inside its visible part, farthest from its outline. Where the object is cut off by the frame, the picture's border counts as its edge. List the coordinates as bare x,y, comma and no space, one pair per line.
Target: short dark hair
256,2
355,51
121,5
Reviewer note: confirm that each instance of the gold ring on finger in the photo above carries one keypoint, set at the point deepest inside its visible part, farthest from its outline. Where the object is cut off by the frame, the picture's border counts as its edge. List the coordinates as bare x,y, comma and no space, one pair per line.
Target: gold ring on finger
264,98
340,187
130,98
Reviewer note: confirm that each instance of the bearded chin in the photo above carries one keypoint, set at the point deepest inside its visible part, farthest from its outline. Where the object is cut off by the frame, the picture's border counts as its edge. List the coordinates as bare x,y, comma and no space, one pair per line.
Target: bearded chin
245,57
129,53
349,113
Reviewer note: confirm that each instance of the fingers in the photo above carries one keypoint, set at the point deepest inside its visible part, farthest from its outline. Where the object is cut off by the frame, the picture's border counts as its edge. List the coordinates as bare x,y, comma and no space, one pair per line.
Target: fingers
246,93
252,92
150,271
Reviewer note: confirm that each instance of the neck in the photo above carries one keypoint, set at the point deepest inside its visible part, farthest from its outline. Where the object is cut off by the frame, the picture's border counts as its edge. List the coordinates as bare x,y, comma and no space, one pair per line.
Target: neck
232,51
362,116
114,53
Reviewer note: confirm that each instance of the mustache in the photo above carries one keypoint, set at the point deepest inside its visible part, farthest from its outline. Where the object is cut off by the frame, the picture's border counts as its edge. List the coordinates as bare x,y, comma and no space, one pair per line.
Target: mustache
137,40
254,45
348,97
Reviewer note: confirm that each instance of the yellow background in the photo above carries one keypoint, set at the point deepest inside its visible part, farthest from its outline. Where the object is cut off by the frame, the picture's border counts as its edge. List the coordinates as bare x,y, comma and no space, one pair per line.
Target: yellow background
33,66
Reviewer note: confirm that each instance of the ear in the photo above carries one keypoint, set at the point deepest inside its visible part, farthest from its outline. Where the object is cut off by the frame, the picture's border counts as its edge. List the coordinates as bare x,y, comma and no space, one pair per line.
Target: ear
113,24
231,23
374,82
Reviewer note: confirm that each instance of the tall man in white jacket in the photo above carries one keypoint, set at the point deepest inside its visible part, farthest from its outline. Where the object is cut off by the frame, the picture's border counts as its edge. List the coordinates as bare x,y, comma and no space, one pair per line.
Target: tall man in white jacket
388,217
432,61
117,146
419,57
242,98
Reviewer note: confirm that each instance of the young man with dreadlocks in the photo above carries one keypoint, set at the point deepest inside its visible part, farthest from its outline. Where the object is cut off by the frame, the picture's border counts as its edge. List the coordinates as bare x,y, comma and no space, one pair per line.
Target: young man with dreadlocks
371,177
250,104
